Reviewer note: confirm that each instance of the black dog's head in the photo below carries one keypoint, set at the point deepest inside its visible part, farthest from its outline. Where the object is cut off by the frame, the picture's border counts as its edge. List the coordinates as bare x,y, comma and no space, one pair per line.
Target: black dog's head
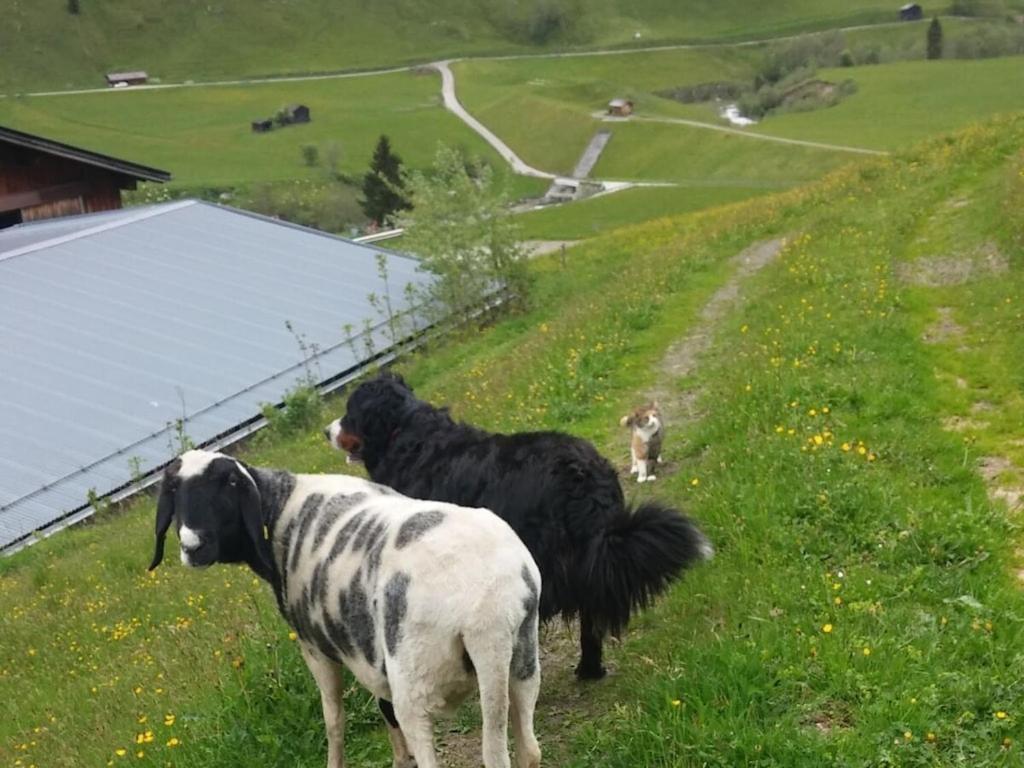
216,504
373,416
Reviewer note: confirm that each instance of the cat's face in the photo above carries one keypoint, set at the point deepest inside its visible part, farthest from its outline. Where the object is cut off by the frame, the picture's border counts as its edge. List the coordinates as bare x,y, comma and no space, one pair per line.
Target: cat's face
646,418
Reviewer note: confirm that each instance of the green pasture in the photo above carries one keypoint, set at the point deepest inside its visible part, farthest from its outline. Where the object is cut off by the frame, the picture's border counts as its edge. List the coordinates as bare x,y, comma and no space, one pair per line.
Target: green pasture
203,135
862,608
45,47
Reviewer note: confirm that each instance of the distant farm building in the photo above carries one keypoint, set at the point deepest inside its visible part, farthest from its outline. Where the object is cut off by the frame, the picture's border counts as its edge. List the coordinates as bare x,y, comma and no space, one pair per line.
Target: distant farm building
620,107
293,114
121,79
911,12
45,179
119,324
296,113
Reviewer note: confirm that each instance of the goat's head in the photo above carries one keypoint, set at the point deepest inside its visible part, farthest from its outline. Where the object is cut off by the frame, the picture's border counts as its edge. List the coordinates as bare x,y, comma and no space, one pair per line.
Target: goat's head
216,504
374,413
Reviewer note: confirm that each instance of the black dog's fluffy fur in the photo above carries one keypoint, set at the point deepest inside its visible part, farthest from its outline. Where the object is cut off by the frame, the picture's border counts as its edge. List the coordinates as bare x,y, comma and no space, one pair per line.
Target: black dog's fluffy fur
598,559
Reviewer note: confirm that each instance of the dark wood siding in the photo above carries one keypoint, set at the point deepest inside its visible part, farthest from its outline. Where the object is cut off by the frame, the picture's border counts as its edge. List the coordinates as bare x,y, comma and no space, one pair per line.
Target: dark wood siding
44,186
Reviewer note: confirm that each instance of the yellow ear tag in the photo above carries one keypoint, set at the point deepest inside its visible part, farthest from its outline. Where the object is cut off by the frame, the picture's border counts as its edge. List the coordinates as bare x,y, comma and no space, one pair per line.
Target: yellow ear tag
266,532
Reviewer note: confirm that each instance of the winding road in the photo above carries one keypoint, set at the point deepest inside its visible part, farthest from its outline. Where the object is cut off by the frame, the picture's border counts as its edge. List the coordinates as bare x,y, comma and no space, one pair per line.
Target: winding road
452,103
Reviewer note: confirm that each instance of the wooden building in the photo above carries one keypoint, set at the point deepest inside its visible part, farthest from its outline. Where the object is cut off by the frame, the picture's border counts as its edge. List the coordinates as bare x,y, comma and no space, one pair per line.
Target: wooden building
620,107
297,113
911,12
44,179
121,79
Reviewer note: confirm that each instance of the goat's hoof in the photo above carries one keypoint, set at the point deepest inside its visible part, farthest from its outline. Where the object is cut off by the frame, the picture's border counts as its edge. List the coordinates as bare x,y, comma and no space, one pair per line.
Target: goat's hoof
651,478
633,470
590,672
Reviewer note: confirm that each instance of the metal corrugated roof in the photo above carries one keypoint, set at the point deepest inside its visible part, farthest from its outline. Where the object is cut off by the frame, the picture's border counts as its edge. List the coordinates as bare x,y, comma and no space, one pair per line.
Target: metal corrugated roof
115,324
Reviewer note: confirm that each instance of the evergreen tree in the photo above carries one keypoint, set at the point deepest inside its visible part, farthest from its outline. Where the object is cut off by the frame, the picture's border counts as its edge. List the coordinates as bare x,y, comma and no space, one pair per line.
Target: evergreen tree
935,39
73,7
383,185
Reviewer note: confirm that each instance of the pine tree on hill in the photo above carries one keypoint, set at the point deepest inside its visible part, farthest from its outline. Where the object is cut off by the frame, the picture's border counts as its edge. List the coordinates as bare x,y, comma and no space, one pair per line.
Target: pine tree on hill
934,39
383,185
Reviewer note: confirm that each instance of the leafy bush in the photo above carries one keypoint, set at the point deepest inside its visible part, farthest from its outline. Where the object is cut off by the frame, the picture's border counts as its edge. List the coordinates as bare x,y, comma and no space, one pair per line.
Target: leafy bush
541,22
300,411
310,155
984,41
462,231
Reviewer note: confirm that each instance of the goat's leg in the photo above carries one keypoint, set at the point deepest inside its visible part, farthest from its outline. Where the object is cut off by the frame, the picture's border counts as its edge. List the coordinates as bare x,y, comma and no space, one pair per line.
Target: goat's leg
635,466
327,674
417,729
492,657
402,757
523,696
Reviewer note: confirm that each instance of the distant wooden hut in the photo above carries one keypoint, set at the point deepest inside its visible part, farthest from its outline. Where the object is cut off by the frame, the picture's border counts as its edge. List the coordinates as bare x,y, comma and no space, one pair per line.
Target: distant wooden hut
620,107
297,113
121,79
911,12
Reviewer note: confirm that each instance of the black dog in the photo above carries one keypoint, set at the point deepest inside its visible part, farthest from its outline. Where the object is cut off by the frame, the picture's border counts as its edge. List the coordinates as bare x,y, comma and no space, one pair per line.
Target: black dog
598,559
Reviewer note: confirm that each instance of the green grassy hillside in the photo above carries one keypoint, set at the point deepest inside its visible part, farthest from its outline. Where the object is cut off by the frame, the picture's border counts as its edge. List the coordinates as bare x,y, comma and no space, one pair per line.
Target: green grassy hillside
203,136
45,47
846,418
897,104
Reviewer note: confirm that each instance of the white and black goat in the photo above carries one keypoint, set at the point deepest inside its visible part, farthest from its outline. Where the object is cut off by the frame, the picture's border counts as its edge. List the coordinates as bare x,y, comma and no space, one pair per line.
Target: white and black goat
422,601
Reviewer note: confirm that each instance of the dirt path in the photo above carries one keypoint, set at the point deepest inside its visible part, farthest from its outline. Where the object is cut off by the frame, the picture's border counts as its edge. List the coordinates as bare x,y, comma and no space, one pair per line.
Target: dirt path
682,358
452,103
411,67
747,134
564,701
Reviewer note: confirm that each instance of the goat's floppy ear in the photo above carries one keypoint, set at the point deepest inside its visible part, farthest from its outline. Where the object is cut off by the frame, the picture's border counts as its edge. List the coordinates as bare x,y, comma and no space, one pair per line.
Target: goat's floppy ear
164,515
252,517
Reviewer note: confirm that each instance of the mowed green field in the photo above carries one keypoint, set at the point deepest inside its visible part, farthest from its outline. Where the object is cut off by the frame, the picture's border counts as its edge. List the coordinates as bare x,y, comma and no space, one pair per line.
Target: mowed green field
590,217
203,135
898,104
863,607
47,48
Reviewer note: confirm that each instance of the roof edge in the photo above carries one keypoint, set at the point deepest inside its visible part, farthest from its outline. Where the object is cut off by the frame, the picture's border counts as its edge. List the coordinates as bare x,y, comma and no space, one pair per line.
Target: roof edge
51,147
129,217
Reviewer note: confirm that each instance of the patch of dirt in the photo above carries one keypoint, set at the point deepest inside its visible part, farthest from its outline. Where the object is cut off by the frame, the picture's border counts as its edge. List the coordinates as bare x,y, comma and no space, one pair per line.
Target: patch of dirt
1005,482
963,424
681,358
992,467
836,717
943,329
536,248
938,271
982,406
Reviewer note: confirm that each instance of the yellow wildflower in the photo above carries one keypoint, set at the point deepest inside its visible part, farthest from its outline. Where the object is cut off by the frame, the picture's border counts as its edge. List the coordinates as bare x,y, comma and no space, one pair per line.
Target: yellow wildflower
827,629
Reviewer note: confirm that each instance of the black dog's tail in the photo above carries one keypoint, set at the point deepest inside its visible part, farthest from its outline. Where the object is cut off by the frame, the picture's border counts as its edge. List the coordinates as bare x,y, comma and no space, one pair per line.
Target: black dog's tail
636,557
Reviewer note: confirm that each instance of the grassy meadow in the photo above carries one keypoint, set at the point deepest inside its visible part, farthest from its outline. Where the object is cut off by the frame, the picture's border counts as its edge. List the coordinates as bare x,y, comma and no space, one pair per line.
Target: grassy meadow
203,136
46,47
863,607
917,98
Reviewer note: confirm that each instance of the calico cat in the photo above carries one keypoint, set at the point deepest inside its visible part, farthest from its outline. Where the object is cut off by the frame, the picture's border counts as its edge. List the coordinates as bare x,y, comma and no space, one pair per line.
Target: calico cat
648,433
